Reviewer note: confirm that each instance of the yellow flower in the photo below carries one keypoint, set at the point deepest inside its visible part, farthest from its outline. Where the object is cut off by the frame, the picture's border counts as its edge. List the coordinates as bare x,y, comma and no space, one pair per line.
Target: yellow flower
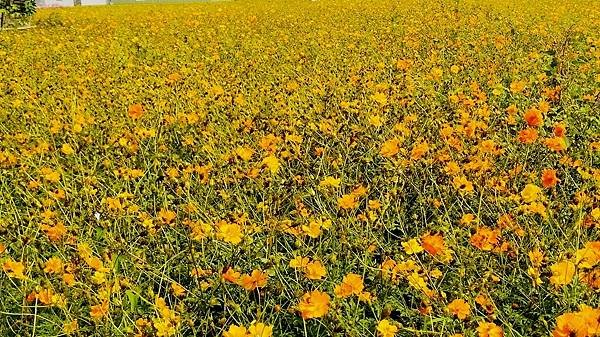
417,282
365,297
595,213
467,219
245,153
376,121
230,232
67,149
164,327
98,277
299,262
536,208
517,86
562,273
536,257
462,184
272,163
313,229
588,256
531,193
166,216
386,329
70,327
436,73
260,330
412,246
314,304
236,331
380,98
50,174
330,182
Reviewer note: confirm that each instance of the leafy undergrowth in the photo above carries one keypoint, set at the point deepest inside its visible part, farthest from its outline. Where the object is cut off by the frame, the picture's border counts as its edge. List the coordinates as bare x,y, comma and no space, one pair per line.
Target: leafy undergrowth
302,168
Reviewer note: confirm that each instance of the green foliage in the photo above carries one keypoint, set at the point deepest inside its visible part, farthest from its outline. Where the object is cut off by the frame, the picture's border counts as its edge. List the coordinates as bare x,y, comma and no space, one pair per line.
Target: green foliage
18,8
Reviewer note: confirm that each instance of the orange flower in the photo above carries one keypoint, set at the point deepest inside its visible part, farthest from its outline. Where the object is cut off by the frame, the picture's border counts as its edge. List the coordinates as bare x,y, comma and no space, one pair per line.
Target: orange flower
53,265
560,129
390,148
588,256
314,304
485,238
556,143
166,216
46,296
485,302
99,310
527,136
135,111
347,201
315,270
433,244
352,284
419,150
258,279
459,308
231,275
489,330
177,289
518,86
582,323
14,269
69,279
533,117
549,178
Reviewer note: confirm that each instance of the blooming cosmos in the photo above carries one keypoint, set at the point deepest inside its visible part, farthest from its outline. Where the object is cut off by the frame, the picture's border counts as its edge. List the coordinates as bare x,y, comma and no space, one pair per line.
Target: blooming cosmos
314,304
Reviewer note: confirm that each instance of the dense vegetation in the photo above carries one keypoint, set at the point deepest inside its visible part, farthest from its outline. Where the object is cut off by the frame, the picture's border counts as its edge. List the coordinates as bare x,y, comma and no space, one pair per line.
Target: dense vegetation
298,168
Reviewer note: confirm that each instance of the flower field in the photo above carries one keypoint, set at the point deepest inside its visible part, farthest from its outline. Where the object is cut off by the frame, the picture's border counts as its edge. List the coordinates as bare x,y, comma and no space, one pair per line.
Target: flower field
302,168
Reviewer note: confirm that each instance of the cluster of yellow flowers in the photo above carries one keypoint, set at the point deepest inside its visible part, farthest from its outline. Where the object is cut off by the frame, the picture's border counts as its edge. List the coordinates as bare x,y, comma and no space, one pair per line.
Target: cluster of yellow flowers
302,168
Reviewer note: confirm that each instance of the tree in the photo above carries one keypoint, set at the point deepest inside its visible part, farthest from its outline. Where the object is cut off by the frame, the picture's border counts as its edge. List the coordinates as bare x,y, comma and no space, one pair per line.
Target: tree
16,8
